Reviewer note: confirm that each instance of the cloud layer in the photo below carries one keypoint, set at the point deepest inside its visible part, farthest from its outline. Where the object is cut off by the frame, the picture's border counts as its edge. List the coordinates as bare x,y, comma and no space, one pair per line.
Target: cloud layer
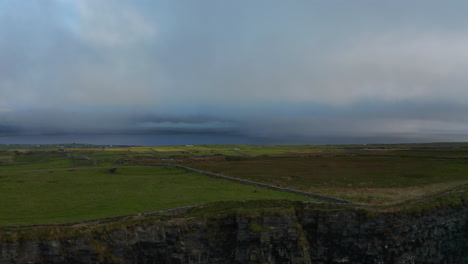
269,68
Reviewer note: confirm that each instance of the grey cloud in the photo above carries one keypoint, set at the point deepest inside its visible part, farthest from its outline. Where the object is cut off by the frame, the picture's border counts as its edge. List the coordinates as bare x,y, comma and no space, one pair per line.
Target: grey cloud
49,64
417,66
112,24
58,121
278,68
404,122
433,121
111,53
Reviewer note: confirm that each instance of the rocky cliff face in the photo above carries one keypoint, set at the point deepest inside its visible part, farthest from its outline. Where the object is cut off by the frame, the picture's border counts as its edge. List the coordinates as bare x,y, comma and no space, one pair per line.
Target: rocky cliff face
292,234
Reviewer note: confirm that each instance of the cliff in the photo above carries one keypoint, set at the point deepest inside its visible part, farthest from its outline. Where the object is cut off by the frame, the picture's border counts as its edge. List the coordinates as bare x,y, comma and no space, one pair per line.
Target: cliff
244,232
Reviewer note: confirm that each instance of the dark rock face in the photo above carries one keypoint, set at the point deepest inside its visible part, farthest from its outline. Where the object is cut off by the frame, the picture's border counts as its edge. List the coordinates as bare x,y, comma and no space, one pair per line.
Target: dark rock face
283,235
350,237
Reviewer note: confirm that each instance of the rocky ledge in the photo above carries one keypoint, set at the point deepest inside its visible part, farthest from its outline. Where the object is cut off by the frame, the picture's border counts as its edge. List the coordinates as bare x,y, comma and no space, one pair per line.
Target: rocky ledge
287,232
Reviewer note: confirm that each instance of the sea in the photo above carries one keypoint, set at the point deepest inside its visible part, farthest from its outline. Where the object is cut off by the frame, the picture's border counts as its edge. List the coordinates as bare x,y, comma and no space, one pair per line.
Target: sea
204,139
144,139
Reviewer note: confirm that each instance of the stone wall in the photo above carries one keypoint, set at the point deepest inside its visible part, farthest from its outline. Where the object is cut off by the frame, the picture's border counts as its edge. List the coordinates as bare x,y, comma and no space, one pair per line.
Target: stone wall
312,195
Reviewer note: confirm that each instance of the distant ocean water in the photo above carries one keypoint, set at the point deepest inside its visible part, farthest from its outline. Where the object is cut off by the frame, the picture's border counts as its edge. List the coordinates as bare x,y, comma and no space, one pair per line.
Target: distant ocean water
207,138
140,139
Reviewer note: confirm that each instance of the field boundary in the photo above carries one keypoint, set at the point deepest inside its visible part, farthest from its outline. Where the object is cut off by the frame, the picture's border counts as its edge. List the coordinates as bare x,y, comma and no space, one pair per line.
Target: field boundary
264,185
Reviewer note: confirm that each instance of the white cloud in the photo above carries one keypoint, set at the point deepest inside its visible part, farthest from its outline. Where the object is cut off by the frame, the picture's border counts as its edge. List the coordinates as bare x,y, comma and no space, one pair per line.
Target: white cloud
395,66
112,23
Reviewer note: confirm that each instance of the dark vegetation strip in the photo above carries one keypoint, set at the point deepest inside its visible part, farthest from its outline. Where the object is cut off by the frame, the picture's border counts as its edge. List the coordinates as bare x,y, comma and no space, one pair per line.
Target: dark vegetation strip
34,163
406,156
312,195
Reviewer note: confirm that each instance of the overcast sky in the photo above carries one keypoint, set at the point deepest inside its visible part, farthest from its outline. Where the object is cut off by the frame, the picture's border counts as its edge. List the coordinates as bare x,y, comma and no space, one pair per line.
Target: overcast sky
361,68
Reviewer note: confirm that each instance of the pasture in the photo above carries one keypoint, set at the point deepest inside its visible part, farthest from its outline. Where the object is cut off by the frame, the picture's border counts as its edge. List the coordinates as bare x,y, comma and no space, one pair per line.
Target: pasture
49,184
371,179
58,195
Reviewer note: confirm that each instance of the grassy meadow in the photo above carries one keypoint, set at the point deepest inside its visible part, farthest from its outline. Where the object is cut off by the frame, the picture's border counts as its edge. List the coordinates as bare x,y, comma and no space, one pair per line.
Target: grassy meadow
40,196
371,180
55,184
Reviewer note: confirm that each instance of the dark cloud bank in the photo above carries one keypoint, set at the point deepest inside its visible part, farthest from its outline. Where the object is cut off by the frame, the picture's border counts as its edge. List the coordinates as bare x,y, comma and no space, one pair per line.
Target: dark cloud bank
274,124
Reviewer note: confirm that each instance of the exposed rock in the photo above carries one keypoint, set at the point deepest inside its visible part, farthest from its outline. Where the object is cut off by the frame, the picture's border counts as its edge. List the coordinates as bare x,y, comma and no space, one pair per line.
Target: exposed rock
279,235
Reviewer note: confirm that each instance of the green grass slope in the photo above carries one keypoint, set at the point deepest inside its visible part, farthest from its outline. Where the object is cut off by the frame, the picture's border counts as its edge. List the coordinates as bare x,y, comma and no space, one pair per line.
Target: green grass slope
41,196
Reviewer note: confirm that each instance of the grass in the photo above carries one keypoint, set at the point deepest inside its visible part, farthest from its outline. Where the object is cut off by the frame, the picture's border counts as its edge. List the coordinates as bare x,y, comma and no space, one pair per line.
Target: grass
372,180
62,163
6,157
41,196
39,186
38,157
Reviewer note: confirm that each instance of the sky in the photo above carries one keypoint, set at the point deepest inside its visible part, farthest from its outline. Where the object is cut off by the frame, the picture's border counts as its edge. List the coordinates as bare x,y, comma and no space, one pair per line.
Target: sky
266,68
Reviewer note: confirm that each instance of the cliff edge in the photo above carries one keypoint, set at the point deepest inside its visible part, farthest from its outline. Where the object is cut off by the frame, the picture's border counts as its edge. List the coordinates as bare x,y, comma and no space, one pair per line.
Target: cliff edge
252,232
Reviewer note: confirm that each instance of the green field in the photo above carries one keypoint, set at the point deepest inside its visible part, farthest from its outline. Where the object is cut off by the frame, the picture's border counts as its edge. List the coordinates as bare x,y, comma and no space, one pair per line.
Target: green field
40,196
49,184
368,180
